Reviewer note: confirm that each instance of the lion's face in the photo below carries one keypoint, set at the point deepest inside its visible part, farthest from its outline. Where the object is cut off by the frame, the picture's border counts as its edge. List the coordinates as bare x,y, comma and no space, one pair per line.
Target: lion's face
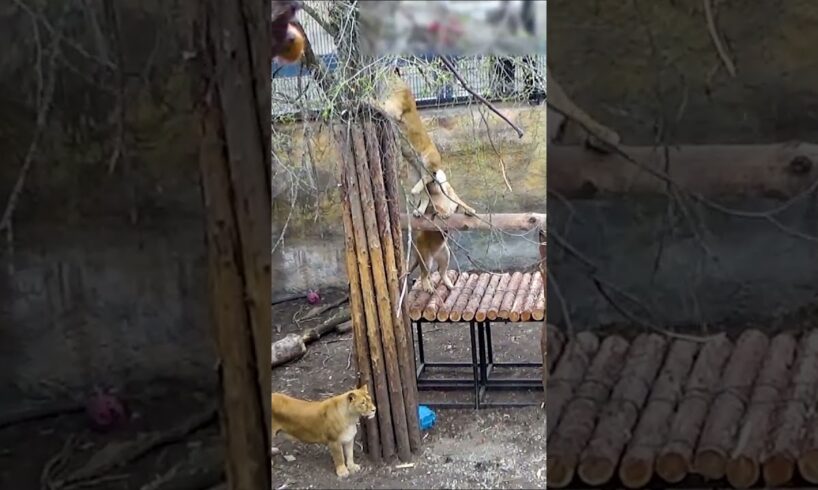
361,403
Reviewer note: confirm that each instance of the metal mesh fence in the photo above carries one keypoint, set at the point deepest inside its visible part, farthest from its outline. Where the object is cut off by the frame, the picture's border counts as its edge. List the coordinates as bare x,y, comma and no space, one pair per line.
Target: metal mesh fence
492,77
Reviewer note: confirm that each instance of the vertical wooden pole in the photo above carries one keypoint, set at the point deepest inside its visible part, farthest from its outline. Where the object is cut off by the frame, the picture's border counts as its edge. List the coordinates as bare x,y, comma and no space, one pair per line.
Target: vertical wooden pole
544,339
375,351
381,289
405,402
234,160
371,435
380,323
403,334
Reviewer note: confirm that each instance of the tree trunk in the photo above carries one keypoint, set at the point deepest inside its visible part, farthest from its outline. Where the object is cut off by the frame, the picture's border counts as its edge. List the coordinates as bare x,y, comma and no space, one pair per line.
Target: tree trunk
234,160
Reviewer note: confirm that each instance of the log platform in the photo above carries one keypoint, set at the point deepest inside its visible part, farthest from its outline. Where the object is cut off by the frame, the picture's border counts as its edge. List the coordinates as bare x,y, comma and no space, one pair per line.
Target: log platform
479,299
719,413
518,297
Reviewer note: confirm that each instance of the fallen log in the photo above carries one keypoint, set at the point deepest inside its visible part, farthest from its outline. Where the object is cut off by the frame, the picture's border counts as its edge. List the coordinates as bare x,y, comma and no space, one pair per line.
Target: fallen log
288,349
710,170
484,222
294,346
568,374
636,468
729,406
613,428
577,425
331,324
743,467
780,461
674,459
320,310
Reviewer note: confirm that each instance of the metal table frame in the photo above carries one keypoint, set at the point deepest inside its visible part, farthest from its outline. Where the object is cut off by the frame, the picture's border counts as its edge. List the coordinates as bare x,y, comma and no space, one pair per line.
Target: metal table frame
483,366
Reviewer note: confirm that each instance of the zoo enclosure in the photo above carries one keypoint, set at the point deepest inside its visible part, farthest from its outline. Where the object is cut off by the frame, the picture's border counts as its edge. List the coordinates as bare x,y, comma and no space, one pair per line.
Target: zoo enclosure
494,78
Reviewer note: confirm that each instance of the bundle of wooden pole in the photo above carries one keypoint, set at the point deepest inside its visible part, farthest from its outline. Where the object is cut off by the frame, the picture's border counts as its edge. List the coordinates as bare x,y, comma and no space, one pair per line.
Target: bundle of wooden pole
382,337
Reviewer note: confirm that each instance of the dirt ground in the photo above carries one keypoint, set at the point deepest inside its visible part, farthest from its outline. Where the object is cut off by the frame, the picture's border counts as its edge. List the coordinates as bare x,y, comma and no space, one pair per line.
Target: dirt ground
487,448
65,443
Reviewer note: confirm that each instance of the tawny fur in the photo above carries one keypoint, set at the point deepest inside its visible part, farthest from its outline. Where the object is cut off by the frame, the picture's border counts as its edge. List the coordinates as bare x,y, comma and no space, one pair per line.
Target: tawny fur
332,422
429,246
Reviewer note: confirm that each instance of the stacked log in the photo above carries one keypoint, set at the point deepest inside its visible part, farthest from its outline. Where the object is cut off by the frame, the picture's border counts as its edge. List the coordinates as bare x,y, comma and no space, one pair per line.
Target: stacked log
743,467
729,406
576,427
418,300
497,282
479,291
532,297
479,296
457,310
674,459
507,283
636,468
781,459
384,360
618,418
438,299
514,310
568,374
446,308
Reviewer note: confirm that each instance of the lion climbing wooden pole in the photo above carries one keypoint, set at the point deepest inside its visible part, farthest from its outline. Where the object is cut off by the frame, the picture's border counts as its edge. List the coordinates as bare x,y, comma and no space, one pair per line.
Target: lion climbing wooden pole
383,349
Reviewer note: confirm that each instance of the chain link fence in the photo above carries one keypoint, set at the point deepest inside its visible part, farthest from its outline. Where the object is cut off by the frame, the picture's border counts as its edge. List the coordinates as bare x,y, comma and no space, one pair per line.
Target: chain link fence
495,78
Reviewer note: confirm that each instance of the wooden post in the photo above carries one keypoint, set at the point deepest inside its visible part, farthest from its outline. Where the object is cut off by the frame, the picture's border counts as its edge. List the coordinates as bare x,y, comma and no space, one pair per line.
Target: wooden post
544,340
233,97
381,329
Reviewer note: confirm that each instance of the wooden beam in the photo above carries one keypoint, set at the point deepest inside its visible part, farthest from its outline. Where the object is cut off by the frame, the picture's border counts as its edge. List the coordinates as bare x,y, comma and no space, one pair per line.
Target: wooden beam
773,170
233,95
499,221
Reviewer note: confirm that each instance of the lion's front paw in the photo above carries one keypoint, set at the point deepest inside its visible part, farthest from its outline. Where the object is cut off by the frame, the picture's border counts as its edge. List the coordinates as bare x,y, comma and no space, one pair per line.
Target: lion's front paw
342,472
353,468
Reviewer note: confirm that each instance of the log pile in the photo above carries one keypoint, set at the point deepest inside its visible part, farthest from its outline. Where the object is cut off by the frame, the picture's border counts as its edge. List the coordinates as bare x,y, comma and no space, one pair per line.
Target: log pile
382,338
655,411
480,296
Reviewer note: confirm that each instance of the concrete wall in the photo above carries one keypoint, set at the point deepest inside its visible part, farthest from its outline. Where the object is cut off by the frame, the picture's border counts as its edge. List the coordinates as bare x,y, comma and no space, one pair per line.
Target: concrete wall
106,279
634,64
109,305
312,252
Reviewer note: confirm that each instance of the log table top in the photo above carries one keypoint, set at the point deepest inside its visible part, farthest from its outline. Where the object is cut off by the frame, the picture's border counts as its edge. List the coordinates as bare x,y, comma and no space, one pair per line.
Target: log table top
480,296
